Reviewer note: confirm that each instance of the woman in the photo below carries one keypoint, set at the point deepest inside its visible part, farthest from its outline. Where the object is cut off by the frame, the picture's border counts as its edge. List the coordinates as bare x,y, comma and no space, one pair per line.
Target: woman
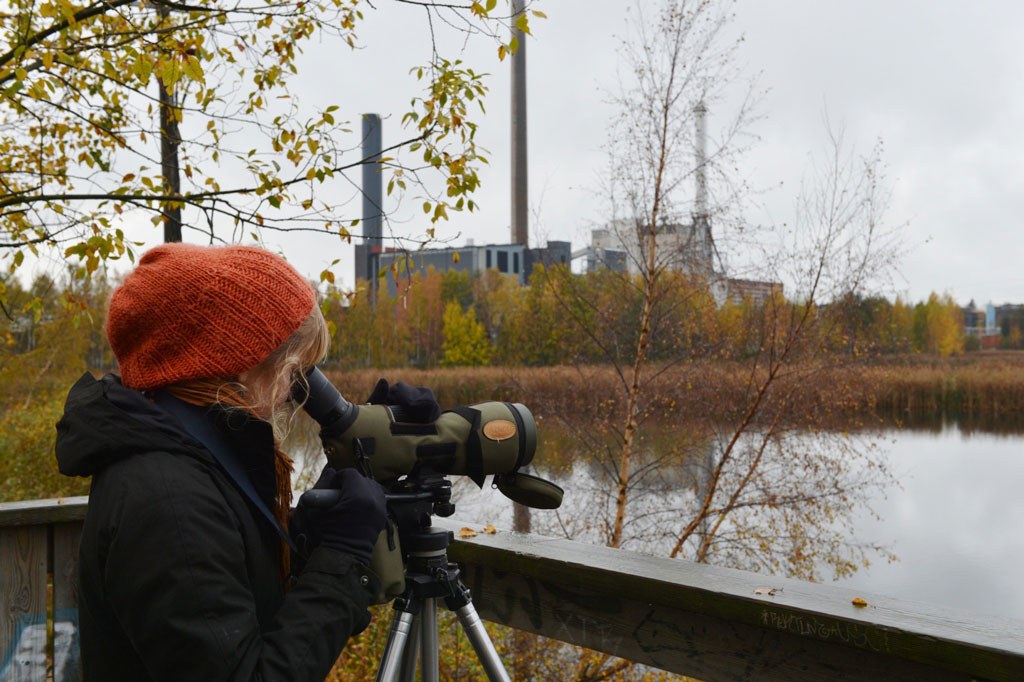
184,569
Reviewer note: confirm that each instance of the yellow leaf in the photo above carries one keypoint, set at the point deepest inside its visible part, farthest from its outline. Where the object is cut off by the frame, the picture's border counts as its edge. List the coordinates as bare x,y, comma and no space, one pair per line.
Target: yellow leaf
467,533
68,10
142,68
193,69
490,529
859,603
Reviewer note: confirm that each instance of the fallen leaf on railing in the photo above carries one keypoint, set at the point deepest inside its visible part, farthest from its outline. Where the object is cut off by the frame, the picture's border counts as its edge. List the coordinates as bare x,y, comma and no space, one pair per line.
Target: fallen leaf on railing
859,603
490,529
467,533
769,591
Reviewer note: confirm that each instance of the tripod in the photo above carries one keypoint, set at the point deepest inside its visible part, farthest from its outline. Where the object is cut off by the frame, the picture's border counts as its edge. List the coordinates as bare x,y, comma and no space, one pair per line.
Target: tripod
429,576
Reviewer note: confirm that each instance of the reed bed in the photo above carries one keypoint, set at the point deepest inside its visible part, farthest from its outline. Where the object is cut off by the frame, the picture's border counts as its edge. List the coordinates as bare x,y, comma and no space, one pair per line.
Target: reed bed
983,386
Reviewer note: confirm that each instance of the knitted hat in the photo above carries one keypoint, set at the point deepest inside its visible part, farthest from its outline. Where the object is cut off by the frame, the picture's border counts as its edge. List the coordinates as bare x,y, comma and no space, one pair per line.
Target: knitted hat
191,312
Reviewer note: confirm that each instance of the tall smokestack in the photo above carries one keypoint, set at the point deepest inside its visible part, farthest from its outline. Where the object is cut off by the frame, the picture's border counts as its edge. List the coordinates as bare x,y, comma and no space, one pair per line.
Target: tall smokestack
700,149
520,219
701,219
372,194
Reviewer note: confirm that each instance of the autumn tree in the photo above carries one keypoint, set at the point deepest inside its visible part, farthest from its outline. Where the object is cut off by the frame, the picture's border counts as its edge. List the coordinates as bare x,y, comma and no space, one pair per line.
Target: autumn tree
113,112
419,312
892,327
367,332
939,326
52,331
465,339
534,329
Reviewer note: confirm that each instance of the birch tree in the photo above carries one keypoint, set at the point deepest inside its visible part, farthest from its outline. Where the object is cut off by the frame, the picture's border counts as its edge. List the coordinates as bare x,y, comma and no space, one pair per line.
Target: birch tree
758,481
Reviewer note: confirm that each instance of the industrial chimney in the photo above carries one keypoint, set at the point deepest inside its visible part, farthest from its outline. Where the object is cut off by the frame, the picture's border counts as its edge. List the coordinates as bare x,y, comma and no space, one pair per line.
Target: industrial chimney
520,219
702,245
372,196
700,149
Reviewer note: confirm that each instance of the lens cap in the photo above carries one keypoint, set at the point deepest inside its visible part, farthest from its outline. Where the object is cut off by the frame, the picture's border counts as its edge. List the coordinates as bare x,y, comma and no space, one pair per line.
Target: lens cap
528,490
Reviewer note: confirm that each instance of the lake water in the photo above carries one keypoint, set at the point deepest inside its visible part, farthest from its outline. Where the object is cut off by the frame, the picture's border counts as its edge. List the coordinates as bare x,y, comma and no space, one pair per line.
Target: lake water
956,525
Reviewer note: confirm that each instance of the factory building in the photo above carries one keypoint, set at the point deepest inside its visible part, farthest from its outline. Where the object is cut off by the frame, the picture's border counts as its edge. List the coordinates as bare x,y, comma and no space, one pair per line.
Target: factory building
514,260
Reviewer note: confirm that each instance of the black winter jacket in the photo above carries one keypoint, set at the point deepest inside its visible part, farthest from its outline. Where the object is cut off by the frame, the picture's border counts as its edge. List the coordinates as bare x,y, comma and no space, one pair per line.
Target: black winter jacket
179,576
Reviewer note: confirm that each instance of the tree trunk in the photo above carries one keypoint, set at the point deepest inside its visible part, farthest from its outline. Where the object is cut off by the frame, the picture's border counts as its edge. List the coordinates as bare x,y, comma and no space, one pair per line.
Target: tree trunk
170,140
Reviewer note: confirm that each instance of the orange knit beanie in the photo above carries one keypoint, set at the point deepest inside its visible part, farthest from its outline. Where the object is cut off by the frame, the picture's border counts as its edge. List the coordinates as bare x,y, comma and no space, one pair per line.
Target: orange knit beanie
194,312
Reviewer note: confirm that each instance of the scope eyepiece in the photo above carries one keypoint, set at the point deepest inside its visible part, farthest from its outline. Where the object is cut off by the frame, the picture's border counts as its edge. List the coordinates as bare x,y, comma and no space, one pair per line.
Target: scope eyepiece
324,403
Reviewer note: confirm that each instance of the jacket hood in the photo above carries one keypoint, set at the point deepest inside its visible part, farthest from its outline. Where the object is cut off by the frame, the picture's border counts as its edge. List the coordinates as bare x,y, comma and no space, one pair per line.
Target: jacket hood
104,422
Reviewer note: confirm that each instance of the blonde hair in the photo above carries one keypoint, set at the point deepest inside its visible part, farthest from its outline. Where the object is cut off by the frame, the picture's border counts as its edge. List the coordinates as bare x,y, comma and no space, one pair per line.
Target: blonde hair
268,385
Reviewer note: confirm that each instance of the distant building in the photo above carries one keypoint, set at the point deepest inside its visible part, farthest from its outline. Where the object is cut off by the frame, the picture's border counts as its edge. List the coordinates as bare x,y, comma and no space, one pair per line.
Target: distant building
976,320
514,260
682,247
620,247
991,324
726,289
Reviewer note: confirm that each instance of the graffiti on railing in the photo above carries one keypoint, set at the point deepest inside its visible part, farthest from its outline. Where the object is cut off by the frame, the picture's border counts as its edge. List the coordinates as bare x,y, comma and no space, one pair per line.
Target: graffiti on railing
27,649
810,626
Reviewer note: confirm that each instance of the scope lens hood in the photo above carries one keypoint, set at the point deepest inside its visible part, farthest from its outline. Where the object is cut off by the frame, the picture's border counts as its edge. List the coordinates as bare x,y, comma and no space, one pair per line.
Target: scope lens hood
531,491
527,433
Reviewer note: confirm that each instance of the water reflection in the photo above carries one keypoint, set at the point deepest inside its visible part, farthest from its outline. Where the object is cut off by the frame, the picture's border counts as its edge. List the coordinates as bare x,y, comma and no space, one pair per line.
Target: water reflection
953,521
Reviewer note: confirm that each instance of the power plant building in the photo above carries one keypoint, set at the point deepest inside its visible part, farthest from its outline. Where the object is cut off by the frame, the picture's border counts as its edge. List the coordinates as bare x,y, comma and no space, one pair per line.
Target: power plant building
514,260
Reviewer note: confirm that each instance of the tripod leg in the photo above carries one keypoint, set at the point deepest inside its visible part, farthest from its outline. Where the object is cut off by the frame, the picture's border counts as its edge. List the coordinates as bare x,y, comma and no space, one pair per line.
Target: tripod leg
398,643
429,660
482,643
410,657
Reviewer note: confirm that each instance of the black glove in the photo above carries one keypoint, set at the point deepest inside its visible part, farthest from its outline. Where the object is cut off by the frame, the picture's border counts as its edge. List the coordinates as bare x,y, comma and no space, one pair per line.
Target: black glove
347,512
418,404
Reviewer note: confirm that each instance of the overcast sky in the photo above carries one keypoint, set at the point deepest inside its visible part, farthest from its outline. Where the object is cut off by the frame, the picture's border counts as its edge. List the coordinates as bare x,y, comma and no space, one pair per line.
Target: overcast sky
939,82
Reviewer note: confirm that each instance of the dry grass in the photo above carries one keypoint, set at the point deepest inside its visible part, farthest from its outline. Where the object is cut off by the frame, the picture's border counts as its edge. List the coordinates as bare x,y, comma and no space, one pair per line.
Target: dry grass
979,385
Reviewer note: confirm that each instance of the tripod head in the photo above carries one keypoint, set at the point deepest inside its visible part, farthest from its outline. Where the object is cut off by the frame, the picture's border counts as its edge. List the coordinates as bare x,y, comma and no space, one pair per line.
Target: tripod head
412,502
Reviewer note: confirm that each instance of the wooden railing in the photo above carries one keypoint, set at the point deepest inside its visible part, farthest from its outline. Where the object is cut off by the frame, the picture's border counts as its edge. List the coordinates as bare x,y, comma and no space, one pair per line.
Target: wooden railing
706,622
38,596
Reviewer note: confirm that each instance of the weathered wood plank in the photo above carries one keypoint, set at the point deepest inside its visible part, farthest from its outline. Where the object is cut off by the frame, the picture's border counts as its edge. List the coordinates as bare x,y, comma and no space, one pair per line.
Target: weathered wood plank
708,622
679,641
23,635
37,512
66,659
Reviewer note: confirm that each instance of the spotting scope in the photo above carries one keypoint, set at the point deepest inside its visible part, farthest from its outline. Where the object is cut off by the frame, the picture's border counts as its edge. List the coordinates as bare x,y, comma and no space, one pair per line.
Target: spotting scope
495,438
